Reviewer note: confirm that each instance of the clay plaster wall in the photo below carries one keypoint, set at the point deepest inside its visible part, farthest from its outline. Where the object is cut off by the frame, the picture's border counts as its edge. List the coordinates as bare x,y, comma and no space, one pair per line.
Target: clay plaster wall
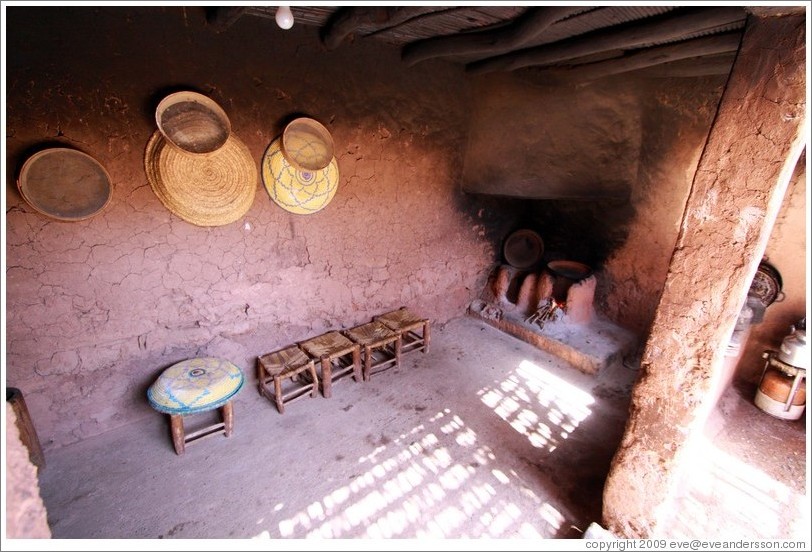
552,140
97,309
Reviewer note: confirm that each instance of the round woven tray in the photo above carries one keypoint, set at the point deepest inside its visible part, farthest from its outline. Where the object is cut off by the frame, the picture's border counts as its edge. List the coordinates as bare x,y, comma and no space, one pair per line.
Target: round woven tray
307,144
209,189
195,385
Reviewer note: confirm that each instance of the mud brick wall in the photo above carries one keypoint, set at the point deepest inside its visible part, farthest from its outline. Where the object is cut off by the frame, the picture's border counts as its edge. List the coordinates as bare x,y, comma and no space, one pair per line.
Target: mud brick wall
98,308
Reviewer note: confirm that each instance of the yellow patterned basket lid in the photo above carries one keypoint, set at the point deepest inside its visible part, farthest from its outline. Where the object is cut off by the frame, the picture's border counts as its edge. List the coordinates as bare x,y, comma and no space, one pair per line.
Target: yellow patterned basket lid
300,192
195,385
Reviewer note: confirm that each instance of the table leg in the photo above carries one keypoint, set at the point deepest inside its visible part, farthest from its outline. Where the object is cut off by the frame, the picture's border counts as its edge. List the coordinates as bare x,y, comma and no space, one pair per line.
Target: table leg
178,438
277,388
261,377
314,376
228,418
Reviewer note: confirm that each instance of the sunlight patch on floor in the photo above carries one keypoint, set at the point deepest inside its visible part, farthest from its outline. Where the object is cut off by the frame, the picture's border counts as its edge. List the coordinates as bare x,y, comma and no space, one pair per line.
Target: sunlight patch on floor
416,487
538,404
744,499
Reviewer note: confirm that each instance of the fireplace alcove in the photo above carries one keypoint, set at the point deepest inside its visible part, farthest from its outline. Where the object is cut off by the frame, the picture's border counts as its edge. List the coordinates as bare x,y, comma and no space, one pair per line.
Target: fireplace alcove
560,319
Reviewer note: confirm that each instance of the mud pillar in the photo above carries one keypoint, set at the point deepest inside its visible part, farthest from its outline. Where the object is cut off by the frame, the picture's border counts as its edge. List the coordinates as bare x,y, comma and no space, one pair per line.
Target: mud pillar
752,148
544,289
28,433
25,513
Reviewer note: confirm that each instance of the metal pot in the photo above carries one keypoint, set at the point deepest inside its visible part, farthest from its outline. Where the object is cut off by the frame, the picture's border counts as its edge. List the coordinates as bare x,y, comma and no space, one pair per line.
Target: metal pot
794,349
766,285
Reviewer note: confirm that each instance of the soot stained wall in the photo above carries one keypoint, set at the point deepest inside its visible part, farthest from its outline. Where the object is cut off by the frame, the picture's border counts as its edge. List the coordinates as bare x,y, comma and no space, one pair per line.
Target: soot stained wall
551,140
676,119
97,308
617,160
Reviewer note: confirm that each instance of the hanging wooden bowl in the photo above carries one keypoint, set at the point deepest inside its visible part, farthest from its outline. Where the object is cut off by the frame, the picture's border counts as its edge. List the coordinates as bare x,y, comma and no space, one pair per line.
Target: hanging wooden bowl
193,122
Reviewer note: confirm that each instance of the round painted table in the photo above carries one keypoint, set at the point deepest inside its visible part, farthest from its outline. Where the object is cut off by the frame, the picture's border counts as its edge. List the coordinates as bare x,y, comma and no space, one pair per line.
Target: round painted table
193,386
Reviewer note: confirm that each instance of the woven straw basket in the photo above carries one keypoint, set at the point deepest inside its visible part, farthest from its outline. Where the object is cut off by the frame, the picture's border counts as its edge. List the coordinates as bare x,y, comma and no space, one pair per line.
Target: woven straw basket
209,189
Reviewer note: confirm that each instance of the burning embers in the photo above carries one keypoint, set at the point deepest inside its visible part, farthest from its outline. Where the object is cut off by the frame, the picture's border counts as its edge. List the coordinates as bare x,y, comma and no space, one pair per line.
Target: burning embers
549,310
565,273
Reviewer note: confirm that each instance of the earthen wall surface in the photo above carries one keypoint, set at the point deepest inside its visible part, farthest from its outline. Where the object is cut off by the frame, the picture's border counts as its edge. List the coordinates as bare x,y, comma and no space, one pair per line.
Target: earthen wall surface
96,309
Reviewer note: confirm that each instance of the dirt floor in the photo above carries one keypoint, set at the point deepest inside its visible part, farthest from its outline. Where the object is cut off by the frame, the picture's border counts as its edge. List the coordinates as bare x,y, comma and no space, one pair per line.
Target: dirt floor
748,477
483,437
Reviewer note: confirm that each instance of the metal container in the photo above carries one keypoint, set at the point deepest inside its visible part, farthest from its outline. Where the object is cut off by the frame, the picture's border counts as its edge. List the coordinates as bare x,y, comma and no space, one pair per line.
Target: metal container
572,270
794,349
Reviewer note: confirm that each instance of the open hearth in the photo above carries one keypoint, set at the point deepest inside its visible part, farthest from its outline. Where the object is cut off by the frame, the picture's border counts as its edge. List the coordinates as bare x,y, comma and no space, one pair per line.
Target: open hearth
554,313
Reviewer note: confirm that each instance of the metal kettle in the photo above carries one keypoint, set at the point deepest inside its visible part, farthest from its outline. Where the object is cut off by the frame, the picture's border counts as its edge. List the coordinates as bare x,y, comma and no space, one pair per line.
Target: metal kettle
794,349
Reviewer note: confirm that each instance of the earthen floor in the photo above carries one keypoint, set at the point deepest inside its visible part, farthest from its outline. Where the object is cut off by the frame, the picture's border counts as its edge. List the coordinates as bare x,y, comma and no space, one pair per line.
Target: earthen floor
483,437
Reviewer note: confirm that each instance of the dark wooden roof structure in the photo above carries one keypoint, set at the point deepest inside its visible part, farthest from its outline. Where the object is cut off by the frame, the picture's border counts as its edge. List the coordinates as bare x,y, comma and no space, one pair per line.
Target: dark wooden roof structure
587,42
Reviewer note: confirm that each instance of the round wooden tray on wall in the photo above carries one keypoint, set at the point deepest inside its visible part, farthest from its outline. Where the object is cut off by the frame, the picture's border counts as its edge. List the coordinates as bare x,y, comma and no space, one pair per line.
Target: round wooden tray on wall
65,184
523,249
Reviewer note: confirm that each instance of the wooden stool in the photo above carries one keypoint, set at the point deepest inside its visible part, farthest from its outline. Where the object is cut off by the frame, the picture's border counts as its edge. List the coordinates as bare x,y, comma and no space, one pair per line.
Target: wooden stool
408,325
381,346
194,386
287,363
334,352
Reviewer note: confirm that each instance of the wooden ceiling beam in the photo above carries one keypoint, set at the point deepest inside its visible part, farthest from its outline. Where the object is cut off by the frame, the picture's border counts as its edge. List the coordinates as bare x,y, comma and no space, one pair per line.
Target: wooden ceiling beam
727,43
349,20
696,67
622,37
775,11
221,19
494,41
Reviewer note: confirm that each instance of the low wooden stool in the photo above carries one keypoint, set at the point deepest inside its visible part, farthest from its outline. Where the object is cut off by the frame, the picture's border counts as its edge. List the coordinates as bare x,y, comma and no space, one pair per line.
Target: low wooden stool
380,347
334,352
287,363
414,330
194,386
